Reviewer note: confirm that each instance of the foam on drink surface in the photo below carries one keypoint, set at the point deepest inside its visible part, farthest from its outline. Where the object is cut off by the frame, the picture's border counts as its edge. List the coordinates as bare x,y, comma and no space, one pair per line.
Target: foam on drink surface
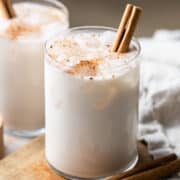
88,55
33,20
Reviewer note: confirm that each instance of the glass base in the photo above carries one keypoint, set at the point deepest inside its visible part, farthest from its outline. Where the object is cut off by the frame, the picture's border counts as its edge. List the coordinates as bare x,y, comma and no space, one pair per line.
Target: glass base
70,177
25,133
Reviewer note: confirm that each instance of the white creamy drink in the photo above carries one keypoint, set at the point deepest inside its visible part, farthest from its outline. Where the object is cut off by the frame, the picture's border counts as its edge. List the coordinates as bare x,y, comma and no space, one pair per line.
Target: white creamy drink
91,103
21,62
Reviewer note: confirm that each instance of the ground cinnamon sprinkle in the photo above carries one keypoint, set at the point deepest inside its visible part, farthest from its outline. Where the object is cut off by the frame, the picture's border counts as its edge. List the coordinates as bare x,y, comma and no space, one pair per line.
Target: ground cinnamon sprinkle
86,68
66,44
18,28
53,56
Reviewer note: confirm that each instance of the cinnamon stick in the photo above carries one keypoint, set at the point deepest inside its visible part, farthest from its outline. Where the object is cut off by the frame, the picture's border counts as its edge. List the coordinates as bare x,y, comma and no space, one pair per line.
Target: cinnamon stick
131,26
122,26
3,10
158,173
10,8
6,9
126,28
146,166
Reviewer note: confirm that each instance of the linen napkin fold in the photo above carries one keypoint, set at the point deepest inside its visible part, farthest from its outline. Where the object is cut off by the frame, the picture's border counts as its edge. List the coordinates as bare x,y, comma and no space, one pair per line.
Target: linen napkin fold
160,93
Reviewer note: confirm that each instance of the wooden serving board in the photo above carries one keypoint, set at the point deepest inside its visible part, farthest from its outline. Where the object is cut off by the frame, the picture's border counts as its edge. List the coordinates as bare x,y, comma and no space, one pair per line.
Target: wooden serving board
28,163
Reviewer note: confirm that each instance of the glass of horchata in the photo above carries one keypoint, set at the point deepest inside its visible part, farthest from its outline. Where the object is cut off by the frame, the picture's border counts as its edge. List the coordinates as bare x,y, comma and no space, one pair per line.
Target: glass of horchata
21,62
91,97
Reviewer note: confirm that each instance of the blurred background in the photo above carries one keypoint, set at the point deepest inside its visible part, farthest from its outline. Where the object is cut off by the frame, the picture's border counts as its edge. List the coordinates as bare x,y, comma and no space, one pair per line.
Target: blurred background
157,14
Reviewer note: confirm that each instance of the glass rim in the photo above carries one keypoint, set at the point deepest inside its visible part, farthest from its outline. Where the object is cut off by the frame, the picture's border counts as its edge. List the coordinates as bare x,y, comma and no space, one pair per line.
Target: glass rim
134,39
59,4
79,28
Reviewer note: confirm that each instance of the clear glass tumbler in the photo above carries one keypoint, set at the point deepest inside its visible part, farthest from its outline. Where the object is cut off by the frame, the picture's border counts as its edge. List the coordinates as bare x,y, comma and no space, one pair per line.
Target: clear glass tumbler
91,125
22,72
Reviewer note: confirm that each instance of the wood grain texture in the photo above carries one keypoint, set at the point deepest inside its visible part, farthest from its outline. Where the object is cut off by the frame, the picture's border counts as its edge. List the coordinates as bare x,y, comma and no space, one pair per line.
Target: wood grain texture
29,163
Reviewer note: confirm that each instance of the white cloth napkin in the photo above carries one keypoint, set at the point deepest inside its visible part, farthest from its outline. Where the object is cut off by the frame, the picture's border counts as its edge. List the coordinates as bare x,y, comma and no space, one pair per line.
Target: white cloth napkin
160,93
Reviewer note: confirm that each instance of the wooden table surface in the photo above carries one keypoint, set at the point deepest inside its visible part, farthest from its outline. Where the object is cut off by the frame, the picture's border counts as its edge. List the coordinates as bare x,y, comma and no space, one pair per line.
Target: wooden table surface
28,163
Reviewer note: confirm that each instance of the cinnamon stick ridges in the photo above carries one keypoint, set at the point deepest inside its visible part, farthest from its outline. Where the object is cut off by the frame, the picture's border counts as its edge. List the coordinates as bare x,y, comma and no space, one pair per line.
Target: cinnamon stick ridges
158,173
122,26
126,28
6,9
144,167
